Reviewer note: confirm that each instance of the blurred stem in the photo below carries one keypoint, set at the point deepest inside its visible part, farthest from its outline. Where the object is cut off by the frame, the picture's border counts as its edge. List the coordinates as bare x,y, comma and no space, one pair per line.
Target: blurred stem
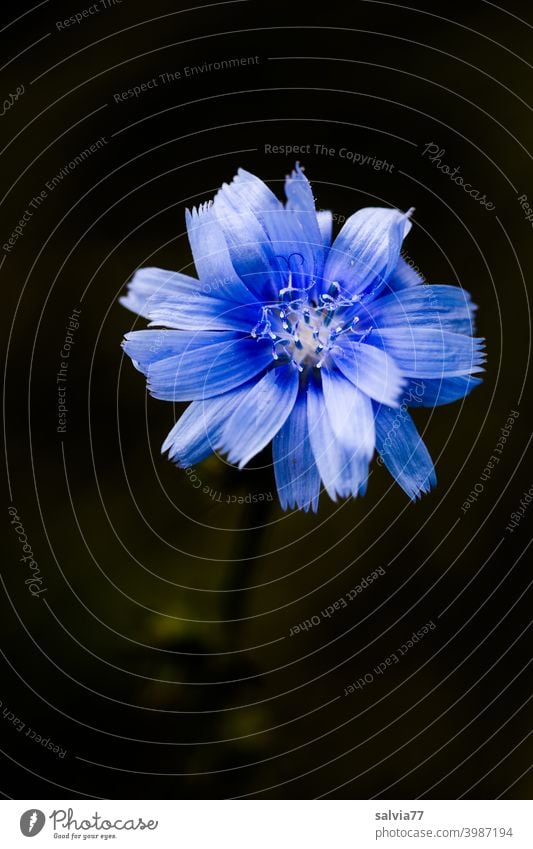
242,570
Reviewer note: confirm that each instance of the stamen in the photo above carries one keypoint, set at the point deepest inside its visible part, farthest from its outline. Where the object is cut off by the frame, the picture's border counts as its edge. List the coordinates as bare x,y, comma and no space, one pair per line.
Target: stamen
294,257
301,325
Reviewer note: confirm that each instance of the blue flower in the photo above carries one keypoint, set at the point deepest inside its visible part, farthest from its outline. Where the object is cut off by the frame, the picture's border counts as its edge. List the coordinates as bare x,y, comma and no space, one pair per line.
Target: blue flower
317,346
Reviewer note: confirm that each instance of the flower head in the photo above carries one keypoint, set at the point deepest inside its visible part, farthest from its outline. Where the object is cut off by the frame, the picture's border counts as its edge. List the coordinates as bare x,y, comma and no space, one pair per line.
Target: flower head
317,346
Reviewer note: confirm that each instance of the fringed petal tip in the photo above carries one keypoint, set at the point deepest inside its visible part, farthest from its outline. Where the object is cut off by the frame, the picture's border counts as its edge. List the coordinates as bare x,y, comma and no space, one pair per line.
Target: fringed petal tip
418,490
297,504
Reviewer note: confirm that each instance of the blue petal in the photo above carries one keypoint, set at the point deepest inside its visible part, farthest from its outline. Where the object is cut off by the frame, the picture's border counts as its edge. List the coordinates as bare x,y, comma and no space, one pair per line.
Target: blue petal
203,372
204,313
251,192
446,307
194,436
297,477
403,451
212,257
343,472
301,202
291,249
149,286
433,353
175,300
266,263
325,225
370,369
350,413
403,276
366,249
148,346
259,415
433,393
251,253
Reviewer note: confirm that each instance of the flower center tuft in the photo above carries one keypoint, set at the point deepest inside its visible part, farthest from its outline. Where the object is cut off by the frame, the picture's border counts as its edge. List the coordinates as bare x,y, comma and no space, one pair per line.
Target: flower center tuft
303,329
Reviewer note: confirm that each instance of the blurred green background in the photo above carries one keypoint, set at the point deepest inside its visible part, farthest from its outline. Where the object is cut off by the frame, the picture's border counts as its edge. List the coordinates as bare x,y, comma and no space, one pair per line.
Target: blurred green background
160,656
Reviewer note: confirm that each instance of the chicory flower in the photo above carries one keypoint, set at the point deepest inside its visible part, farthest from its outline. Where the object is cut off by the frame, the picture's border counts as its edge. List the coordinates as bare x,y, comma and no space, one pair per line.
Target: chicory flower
317,346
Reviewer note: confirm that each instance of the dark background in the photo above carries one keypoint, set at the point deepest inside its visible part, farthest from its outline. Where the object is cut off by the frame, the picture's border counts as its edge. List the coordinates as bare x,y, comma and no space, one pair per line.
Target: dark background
159,656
